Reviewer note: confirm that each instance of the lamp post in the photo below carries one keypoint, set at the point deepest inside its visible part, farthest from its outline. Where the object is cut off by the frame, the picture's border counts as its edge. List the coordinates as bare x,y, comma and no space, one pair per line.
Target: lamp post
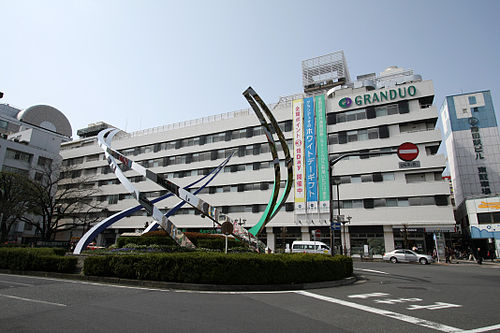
406,152
336,181
332,231
344,221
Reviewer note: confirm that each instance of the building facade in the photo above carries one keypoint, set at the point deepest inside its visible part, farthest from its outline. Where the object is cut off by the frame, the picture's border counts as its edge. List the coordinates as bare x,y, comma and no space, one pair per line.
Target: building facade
472,141
30,141
390,203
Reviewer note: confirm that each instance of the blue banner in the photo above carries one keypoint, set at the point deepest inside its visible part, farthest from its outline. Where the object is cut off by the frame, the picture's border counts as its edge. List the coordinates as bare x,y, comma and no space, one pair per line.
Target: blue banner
310,156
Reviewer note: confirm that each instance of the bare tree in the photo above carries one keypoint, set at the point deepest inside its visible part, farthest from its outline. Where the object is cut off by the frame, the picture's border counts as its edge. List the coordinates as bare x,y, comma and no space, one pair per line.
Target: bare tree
64,201
16,200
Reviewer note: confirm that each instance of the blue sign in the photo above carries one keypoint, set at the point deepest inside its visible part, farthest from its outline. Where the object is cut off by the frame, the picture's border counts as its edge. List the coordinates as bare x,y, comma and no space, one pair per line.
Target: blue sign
335,226
310,156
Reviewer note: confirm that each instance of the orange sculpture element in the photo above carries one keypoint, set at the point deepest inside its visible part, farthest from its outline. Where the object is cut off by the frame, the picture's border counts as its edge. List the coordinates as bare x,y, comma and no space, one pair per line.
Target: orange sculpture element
493,205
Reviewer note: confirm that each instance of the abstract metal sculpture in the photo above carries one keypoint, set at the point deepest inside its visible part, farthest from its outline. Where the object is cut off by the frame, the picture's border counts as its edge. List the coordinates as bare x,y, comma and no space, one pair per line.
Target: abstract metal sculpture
104,224
200,205
249,236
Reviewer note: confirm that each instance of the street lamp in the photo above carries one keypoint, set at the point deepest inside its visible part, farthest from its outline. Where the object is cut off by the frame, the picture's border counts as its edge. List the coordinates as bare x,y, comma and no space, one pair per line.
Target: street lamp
335,181
344,221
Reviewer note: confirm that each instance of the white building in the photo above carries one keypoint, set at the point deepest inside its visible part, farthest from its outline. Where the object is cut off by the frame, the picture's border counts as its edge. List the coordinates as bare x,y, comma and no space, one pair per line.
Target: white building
473,147
30,141
390,203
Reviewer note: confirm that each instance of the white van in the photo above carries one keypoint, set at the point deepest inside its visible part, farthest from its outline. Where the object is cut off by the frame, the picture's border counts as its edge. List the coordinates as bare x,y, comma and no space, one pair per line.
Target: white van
310,247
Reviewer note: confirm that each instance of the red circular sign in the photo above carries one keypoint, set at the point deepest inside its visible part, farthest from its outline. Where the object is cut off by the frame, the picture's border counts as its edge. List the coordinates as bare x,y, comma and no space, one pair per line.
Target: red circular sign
408,151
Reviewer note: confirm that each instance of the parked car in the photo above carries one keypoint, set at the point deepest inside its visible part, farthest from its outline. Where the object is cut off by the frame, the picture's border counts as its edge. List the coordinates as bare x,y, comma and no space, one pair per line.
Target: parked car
403,255
310,247
93,246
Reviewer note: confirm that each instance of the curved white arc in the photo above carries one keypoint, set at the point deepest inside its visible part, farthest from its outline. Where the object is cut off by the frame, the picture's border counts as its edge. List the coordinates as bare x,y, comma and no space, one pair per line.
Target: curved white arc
210,211
101,226
157,215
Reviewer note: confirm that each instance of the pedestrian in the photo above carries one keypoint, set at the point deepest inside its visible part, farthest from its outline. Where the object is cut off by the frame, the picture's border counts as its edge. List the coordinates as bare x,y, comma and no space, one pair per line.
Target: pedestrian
471,255
447,254
479,256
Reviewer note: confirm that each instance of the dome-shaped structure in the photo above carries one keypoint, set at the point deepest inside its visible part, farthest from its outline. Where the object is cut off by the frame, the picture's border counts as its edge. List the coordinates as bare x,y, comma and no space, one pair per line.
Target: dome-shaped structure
47,117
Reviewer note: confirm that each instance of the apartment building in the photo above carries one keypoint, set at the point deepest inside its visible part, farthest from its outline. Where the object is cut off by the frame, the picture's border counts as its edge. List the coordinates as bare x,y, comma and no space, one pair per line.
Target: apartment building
390,203
30,140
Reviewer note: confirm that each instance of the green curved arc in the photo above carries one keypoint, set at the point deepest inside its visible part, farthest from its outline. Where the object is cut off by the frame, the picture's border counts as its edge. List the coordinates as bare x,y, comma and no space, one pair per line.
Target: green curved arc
273,206
266,216
286,151
262,221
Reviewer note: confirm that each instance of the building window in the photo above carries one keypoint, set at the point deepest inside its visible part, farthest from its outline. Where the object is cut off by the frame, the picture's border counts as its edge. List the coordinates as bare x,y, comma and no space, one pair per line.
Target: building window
44,162
38,176
91,158
7,168
472,100
18,155
488,218
112,199
76,173
441,200
415,177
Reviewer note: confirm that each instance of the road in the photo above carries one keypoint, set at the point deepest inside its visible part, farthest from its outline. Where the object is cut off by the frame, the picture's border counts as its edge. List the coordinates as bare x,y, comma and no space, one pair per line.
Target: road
390,298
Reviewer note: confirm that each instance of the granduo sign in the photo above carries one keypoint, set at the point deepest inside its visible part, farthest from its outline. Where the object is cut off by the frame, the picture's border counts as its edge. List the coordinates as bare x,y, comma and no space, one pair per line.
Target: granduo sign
379,96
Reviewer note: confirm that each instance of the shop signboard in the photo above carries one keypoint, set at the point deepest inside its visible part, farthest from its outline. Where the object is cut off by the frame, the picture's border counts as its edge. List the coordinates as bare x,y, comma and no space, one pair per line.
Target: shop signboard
322,141
298,156
310,156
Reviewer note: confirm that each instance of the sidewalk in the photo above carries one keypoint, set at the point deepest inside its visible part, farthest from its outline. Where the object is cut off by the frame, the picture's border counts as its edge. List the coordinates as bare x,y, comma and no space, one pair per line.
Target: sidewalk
495,262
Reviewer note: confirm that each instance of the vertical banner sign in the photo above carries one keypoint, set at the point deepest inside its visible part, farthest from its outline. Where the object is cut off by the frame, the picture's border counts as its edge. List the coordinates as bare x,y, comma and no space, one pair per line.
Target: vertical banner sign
322,137
310,156
298,156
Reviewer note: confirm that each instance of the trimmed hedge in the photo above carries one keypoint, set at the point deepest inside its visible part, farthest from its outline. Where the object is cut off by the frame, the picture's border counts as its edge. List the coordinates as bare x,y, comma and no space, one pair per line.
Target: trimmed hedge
37,259
219,268
151,238
206,241
131,247
212,241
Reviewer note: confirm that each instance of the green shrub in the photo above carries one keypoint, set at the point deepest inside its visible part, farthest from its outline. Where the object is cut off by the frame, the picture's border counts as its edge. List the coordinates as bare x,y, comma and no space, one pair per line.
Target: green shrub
218,243
156,239
213,241
134,248
36,259
98,265
219,268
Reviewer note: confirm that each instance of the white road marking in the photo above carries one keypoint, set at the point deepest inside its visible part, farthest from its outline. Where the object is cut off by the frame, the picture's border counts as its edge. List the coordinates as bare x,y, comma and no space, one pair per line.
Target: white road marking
232,292
436,306
483,329
371,271
390,314
397,300
365,296
32,300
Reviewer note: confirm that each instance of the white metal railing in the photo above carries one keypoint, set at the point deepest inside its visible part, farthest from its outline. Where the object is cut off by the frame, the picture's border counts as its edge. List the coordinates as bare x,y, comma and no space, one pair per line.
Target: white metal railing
207,120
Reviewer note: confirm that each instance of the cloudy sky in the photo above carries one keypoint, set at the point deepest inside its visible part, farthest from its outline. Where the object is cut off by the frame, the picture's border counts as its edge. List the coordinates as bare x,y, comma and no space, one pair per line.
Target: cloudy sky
138,64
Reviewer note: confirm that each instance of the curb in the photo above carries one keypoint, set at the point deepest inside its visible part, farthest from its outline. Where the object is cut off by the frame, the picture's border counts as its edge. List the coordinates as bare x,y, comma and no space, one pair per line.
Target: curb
187,286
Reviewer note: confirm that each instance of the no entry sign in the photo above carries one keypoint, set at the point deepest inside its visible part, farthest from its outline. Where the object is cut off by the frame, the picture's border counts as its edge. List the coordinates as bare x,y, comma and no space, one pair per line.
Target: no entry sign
407,151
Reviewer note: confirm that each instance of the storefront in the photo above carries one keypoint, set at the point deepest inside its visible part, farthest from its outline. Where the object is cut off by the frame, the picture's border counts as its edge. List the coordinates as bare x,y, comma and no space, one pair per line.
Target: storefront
484,219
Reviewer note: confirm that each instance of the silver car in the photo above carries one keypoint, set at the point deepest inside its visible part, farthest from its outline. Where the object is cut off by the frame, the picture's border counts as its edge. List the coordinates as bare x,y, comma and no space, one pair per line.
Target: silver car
407,256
